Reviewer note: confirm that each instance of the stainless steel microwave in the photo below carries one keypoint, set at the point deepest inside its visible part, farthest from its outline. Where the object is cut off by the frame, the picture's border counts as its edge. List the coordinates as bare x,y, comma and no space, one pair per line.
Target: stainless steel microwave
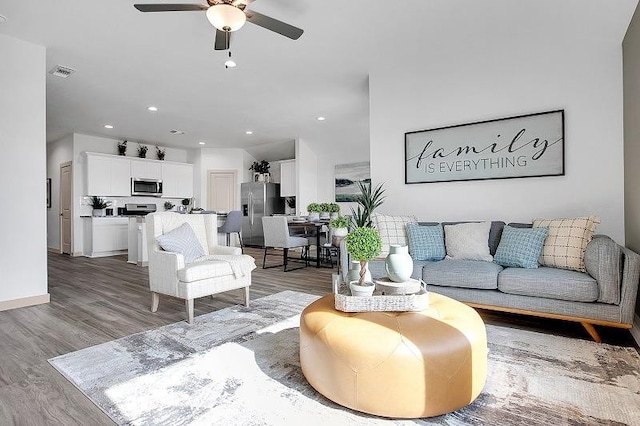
146,187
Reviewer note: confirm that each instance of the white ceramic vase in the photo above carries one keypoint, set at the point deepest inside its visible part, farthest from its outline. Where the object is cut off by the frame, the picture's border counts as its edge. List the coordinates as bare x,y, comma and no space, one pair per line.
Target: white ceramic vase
98,213
314,216
399,264
335,215
324,216
354,272
340,232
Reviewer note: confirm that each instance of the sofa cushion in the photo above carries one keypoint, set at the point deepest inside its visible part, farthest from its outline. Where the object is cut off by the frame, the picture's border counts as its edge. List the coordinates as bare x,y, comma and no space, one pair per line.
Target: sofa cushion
182,240
520,247
603,261
468,241
203,270
566,241
426,242
462,273
392,230
551,283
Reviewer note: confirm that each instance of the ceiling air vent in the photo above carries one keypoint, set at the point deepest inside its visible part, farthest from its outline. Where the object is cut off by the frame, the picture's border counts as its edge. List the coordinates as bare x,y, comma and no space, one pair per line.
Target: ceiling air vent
176,132
62,72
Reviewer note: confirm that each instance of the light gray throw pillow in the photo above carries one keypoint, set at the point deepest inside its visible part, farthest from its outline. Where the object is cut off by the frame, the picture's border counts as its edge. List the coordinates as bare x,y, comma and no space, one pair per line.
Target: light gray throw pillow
184,241
468,241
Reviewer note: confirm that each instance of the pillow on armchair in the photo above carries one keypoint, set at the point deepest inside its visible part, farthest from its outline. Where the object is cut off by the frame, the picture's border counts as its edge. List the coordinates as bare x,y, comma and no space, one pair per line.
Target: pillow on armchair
182,240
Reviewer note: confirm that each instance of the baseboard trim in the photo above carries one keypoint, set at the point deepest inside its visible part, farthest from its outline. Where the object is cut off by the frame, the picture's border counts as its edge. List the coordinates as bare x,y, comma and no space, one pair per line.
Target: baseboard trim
24,302
635,331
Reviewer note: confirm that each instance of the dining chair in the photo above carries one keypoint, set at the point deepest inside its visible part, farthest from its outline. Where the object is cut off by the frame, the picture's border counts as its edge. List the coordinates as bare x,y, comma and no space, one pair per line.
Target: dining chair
232,225
276,236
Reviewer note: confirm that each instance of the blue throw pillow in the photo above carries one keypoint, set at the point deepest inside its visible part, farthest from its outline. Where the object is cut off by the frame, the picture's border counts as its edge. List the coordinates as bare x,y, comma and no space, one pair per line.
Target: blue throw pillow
426,242
520,247
182,240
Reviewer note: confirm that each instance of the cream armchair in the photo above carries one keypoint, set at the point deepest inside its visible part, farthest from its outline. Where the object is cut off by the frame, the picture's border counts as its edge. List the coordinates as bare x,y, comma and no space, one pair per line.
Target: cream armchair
222,268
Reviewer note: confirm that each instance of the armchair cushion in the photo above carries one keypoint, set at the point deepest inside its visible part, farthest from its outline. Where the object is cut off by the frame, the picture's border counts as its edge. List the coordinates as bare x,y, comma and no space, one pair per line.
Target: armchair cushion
182,240
225,250
203,270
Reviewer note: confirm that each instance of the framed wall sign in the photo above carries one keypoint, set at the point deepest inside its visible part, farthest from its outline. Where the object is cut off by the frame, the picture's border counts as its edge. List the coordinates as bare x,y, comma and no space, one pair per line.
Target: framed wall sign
524,146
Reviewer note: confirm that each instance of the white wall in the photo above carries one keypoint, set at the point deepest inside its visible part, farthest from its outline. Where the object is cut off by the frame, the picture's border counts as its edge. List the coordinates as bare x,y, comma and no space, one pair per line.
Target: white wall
498,79
23,246
58,152
307,176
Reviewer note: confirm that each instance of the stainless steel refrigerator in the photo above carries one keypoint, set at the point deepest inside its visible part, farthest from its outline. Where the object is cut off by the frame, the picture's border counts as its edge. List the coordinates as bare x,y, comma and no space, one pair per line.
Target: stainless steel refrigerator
258,199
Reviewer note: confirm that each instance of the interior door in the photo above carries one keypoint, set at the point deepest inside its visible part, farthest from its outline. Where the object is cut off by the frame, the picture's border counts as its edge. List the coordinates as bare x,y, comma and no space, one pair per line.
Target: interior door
221,190
66,217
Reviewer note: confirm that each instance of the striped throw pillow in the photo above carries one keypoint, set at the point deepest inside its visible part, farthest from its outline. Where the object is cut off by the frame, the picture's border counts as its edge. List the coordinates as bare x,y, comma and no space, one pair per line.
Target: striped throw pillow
182,240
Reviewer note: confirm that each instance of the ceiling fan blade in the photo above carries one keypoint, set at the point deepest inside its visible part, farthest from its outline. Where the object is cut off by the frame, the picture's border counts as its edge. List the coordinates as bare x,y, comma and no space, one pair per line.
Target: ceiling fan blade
170,7
223,39
273,24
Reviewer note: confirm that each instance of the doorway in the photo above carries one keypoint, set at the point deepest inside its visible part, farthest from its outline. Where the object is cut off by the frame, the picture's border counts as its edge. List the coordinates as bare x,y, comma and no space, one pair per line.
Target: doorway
66,216
222,190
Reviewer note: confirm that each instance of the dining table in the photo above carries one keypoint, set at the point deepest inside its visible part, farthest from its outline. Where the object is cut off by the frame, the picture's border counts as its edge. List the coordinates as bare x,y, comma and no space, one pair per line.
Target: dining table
317,226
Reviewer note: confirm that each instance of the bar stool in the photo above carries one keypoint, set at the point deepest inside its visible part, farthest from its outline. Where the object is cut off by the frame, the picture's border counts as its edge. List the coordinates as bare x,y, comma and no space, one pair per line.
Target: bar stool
233,225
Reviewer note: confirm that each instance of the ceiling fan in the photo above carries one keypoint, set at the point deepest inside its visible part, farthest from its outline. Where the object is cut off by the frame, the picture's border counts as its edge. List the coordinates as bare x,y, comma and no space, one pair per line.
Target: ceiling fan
227,16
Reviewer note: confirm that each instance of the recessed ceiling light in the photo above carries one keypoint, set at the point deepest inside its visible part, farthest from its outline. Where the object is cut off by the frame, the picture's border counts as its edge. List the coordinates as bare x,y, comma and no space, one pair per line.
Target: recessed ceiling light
321,118
177,132
108,126
202,143
249,132
152,108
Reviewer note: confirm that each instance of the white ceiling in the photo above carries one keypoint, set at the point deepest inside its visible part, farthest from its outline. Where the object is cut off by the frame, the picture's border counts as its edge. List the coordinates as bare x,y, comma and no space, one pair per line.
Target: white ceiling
127,60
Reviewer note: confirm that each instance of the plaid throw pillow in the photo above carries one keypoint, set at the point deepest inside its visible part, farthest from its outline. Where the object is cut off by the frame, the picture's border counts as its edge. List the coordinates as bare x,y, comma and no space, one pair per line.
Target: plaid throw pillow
426,242
392,230
520,247
566,241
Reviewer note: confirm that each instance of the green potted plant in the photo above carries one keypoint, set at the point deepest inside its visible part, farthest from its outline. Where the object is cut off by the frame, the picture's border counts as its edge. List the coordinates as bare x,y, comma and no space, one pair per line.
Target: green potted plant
368,200
324,211
122,148
314,210
334,210
160,153
197,210
340,226
363,244
260,170
98,205
168,205
142,151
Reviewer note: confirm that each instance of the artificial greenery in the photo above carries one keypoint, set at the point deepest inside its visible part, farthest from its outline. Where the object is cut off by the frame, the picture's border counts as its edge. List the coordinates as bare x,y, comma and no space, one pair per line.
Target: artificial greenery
122,148
260,167
333,208
99,203
168,205
340,222
363,244
324,207
142,151
368,200
314,208
160,153
197,209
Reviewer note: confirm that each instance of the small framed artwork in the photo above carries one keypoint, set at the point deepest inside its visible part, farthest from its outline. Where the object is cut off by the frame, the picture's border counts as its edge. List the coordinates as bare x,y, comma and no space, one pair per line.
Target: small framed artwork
515,147
48,193
347,177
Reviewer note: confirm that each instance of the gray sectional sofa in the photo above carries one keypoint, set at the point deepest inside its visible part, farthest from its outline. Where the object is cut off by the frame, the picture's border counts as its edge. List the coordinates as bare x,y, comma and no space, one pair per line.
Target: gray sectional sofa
604,295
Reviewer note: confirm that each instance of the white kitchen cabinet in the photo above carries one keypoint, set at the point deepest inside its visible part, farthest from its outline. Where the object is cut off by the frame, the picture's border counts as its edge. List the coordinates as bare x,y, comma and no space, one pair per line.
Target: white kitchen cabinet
146,169
288,178
108,175
177,180
105,236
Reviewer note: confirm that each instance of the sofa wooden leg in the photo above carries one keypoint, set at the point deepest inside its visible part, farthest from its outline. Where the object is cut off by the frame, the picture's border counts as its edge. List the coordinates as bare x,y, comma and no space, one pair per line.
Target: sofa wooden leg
246,296
189,304
155,301
592,331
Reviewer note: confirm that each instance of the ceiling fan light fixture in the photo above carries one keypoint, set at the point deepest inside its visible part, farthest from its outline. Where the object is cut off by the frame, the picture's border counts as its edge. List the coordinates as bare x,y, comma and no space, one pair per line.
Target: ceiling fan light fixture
226,17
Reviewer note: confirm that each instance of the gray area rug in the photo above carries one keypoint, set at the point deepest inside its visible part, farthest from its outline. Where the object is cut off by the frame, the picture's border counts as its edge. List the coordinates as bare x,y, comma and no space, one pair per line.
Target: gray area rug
240,366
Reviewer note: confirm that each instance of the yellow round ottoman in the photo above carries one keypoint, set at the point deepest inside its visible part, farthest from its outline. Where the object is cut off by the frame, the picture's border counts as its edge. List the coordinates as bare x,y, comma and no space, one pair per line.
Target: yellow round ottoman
395,364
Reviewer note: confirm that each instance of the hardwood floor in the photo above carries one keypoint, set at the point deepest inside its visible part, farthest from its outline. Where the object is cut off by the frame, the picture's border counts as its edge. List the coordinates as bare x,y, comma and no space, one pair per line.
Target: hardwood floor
97,300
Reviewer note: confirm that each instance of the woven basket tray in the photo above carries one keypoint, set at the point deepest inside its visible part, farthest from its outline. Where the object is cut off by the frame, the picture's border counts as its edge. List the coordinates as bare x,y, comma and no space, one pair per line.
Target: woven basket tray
380,303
